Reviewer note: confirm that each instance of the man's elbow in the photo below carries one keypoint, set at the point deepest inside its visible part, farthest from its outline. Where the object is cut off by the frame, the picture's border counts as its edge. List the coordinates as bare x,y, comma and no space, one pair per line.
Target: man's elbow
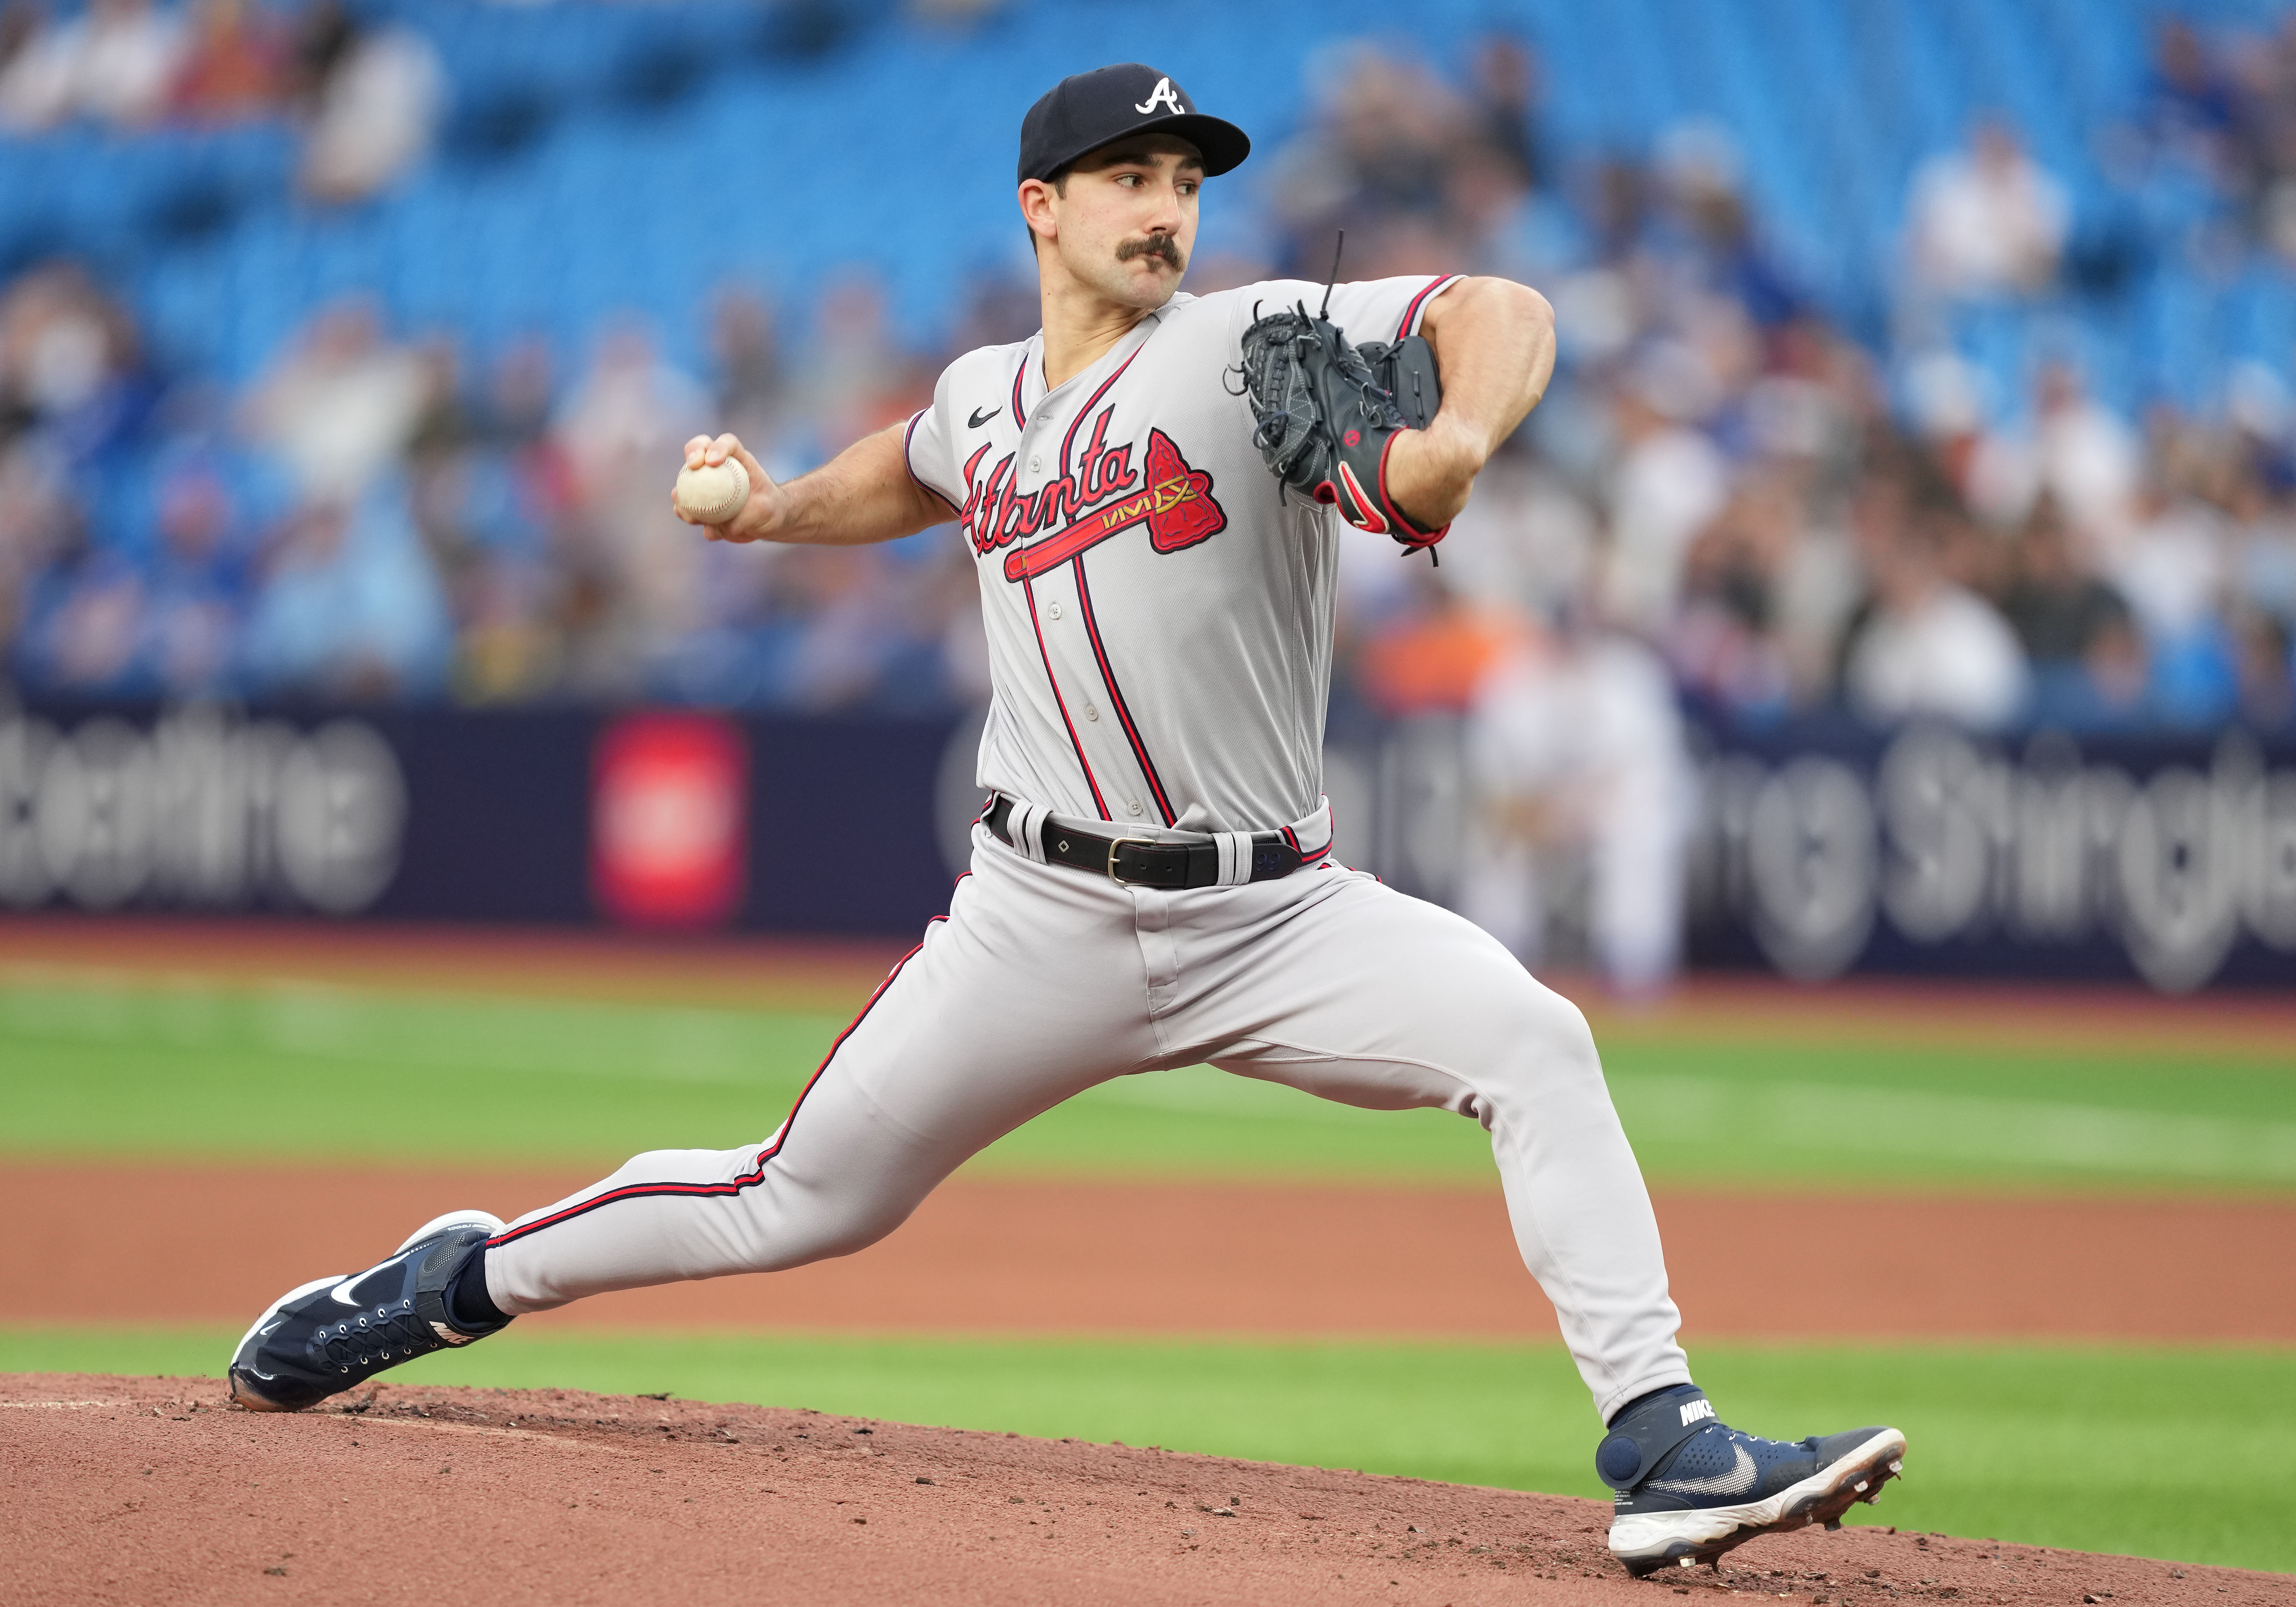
1525,304
1501,301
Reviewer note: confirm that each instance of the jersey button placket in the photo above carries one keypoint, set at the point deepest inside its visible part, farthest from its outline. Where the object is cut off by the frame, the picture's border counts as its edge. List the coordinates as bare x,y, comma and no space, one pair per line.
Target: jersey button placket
1073,671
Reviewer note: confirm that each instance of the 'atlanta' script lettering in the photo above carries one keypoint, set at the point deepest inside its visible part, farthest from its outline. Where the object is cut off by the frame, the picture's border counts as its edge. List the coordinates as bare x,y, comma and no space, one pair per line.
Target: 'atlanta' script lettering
996,515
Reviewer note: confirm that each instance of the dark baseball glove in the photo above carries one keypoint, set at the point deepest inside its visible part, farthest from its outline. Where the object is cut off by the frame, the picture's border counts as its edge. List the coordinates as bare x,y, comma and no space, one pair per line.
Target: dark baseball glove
1328,412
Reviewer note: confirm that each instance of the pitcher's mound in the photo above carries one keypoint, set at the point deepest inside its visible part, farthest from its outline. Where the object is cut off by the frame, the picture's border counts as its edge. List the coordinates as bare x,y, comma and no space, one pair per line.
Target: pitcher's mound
153,1491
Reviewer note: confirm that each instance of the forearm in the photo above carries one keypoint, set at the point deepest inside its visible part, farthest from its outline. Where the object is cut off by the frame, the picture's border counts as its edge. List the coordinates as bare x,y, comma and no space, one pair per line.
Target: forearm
864,494
1494,342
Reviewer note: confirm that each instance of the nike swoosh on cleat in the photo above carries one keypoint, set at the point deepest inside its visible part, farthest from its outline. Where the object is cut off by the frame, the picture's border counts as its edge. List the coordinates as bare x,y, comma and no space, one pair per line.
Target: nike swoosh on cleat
1741,1478
452,1336
353,1283
275,1327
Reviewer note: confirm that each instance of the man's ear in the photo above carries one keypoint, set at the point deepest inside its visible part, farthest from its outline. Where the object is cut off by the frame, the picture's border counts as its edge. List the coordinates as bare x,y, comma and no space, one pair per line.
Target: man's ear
1036,209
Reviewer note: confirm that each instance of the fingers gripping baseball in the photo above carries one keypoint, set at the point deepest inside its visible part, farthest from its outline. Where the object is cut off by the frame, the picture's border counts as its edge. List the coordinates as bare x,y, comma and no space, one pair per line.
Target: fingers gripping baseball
722,488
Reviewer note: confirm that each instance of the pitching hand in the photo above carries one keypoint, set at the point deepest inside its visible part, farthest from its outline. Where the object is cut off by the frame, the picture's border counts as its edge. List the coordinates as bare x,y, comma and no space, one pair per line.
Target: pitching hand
760,515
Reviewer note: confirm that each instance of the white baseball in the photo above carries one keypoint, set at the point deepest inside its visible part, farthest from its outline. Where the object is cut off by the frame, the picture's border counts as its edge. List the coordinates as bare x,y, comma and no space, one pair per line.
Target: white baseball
713,493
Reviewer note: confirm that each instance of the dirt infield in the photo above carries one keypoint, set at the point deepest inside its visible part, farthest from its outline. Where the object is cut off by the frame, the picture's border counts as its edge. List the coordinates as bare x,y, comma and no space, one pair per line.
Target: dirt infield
136,1490
137,1243
836,974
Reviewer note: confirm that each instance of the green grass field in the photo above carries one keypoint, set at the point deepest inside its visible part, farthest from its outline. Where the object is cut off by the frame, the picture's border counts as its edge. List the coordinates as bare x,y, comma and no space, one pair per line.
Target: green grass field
2179,1453
230,1072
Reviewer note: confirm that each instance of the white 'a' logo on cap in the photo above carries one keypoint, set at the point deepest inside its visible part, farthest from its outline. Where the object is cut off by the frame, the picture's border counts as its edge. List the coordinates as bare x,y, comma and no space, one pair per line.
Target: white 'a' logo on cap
1163,94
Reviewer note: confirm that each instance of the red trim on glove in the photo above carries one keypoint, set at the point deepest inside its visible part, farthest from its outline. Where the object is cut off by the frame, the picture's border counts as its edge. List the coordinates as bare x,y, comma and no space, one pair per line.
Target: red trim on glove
1418,537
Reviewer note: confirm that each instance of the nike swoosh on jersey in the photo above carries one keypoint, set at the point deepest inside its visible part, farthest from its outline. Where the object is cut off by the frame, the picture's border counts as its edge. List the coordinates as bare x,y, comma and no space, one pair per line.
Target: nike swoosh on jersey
980,418
1741,1478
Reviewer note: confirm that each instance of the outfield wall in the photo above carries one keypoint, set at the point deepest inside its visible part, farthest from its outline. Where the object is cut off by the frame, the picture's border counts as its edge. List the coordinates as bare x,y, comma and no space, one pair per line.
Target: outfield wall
1817,851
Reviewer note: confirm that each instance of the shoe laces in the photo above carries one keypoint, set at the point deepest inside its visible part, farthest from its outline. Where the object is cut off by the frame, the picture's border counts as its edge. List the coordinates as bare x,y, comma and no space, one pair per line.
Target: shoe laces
375,1338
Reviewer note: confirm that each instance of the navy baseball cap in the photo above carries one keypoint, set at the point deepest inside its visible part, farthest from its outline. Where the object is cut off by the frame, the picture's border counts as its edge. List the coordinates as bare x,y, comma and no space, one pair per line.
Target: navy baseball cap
1082,113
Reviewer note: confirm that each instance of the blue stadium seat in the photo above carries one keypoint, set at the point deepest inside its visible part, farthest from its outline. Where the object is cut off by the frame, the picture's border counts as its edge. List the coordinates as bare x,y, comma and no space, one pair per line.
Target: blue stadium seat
895,150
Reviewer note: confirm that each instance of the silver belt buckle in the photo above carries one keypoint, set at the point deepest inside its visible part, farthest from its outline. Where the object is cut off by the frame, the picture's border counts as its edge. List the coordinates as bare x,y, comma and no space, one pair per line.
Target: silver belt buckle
1115,843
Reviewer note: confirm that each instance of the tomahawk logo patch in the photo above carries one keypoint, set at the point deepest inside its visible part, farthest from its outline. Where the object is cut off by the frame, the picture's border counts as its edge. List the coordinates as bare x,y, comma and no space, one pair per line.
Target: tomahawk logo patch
1185,513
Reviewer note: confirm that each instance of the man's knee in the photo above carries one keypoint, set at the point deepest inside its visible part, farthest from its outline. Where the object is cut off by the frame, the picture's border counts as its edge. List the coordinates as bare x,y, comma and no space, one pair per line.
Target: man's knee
1527,1012
792,1226
1562,1025
1546,1041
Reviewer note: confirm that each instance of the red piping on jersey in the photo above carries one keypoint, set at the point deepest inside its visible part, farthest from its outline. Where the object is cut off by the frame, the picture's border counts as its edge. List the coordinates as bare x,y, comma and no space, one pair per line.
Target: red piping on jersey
1019,417
1292,837
1053,681
748,1179
907,437
1116,694
1411,313
1085,412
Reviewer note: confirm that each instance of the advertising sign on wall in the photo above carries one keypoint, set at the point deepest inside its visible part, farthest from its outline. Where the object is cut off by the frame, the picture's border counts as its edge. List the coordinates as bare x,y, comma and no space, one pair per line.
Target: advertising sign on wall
1814,852
200,810
1938,852
661,818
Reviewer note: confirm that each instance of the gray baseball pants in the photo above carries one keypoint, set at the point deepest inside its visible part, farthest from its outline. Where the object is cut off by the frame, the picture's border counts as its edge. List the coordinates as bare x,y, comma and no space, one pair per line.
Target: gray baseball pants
1044,980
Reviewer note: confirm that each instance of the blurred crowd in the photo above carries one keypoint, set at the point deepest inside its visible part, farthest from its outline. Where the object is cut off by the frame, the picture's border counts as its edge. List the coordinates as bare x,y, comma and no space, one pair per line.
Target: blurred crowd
1726,504
376,518
366,96
1786,520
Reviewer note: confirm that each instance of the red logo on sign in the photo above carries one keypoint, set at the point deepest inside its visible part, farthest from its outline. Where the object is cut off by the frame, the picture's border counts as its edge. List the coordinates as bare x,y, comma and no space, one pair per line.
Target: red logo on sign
669,807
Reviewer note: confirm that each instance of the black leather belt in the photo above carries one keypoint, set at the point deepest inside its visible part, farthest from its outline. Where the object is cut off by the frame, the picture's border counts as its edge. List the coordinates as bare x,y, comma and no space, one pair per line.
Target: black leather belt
1144,862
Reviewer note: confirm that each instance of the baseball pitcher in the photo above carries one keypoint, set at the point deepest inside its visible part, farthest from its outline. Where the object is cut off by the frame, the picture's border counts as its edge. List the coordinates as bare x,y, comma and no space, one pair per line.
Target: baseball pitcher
1151,488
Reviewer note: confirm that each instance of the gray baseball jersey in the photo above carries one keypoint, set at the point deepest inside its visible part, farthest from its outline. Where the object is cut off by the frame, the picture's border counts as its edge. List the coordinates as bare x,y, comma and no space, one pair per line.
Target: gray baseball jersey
1159,610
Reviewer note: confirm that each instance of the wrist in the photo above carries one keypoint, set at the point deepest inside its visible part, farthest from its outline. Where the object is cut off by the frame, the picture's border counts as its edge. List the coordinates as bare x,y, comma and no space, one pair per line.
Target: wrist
1460,447
1430,472
772,514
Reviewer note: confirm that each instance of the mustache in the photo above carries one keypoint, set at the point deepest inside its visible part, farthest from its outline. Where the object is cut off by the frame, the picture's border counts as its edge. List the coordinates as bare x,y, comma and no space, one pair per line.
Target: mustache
1152,245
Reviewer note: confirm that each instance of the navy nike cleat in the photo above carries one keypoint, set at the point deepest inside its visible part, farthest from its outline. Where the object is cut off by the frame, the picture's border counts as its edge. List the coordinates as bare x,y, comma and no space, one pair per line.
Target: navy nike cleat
326,1336
1688,1489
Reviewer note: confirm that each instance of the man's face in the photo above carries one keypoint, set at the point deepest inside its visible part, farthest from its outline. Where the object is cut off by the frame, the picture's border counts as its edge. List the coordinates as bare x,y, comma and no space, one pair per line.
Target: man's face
1128,222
